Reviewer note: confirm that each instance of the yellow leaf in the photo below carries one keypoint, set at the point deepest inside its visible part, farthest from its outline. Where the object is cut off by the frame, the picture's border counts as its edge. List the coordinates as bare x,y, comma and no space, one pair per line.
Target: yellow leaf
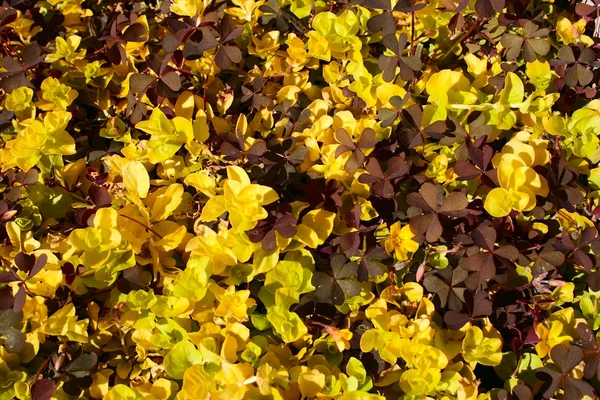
539,73
316,222
498,203
513,91
187,8
136,179
202,182
476,66
164,201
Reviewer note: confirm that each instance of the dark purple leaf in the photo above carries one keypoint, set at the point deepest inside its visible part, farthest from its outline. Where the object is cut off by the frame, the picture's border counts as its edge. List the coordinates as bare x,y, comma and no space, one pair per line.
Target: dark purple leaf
43,389
134,33
39,264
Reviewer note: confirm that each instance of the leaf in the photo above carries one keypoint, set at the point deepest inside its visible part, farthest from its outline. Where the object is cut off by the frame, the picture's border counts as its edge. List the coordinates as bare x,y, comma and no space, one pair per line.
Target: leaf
116,54
85,362
134,33
40,261
455,320
551,381
486,8
15,340
182,356
456,201
566,359
577,389
172,80
43,389
136,179
99,195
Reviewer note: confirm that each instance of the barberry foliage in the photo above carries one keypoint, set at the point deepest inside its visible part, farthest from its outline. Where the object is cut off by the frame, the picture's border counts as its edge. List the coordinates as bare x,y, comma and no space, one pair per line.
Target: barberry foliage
294,199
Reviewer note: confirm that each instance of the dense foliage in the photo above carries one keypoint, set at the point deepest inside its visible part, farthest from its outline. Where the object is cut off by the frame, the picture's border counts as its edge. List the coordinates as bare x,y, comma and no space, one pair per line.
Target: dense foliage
286,199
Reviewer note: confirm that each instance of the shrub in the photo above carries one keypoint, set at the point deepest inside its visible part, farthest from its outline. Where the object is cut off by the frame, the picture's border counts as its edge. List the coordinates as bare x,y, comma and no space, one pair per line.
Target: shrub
335,199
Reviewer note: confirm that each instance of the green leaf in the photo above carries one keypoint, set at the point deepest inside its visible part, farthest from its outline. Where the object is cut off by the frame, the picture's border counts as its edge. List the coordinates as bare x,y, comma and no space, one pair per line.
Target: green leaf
513,91
182,356
356,369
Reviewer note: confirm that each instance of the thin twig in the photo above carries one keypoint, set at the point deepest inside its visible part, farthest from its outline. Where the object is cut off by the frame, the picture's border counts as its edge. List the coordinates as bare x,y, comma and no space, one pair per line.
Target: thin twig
466,35
44,365
412,30
142,224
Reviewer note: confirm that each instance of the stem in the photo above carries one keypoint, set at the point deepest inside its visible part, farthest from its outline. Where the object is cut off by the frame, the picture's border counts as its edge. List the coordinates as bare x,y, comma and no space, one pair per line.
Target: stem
412,30
462,38
443,44
44,365
421,269
99,50
320,324
71,192
30,293
142,224
536,247
514,374
568,217
456,248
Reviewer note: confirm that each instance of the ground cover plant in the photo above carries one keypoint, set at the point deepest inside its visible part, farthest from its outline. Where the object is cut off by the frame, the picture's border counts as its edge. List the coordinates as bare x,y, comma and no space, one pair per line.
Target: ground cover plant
296,199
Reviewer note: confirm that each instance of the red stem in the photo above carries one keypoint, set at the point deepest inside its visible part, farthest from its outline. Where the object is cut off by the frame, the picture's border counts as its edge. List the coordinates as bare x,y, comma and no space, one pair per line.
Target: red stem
412,30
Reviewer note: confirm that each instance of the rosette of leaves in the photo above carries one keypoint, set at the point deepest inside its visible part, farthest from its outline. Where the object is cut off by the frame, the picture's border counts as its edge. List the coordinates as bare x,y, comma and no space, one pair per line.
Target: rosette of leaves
478,305
575,62
280,221
338,285
135,33
562,182
487,8
254,92
382,183
384,22
411,134
532,43
98,192
166,83
432,202
447,286
544,260
370,263
26,267
234,148
357,157
351,241
579,249
298,118
15,74
281,160
228,54
469,140
587,342
478,163
18,180
319,191
491,256
408,65
388,116
559,375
